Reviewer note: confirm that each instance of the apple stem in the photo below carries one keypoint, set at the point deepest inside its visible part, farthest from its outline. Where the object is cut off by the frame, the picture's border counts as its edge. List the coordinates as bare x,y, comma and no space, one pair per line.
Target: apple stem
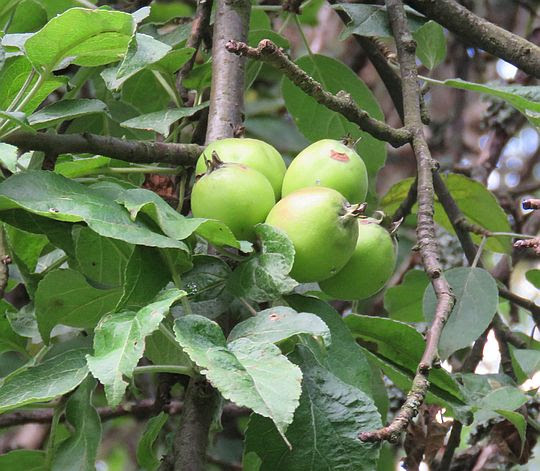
354,211
350,142
213,164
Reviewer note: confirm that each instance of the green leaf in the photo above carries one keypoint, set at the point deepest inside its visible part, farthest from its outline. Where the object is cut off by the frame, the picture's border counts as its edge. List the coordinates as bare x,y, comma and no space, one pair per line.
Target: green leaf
528,361
26,246
78,167
280,323
145,93
80,36
430,44
404,301
476,202
146,455
119,342
476,387
265,276
7,6
65,297
53,196
12,78
41,383
29,460
507,397
477,298
243,371
161,121
8,156
163,12
17,119
174,37
142,51
525,99
58,233
172,223
343,357
206,285
533,276
101,259
259,20
324,433
10,341
24,323
65,110
317,122
144,278
175,59
399,344
372,20
79,451
162,350
29,16
200,77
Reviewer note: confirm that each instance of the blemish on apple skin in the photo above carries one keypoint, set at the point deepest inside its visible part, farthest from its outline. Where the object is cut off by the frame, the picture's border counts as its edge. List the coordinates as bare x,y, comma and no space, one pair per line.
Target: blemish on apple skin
339,156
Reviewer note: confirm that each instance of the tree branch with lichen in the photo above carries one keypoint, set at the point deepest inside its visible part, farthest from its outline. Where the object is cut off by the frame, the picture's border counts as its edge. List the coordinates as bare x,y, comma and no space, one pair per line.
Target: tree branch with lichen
140,152
341,102
425,231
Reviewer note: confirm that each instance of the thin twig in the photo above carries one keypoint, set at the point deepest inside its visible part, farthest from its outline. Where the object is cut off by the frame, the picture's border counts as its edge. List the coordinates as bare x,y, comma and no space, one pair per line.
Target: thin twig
476,31
471,227
506,359
201,21
427,242
342,102
4,262
140,410
141,152
406,205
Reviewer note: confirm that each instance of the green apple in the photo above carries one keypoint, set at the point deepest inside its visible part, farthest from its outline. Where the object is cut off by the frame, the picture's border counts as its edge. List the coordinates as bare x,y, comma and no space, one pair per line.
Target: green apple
235,194
330,164
253,153
369,268
322,227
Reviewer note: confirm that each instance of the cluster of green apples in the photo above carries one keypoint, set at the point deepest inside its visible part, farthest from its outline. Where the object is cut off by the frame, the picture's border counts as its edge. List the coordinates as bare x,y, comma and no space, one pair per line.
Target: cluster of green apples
316,202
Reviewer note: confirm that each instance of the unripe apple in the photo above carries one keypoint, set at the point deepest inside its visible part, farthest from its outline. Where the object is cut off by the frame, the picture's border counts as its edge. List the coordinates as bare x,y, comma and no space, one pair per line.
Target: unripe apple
253,153
235,194
369,268
322,227
330,164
